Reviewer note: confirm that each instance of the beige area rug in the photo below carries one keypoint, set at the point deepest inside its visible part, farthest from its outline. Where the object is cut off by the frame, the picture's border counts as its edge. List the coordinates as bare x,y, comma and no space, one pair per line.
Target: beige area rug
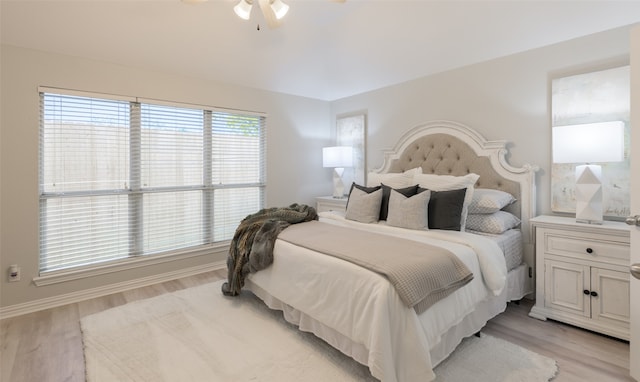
197,334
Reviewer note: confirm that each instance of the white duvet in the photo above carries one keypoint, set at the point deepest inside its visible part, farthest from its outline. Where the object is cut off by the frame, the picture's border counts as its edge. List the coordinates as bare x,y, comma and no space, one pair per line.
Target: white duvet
359,311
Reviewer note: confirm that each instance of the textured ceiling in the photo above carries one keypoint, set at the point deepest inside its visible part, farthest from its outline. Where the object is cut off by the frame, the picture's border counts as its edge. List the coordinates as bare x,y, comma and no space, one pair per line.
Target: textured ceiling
324,50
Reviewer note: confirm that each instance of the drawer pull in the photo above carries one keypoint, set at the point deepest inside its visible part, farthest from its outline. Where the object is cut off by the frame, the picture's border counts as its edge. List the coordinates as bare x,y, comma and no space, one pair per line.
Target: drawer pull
594,293
589,250
586,292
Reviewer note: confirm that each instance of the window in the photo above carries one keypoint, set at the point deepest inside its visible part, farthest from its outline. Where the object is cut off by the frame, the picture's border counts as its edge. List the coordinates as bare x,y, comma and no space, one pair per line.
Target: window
123,178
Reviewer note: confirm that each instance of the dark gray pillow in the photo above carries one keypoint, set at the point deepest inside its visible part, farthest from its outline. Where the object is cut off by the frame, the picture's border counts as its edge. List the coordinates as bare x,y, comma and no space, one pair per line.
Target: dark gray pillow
386,193
445,209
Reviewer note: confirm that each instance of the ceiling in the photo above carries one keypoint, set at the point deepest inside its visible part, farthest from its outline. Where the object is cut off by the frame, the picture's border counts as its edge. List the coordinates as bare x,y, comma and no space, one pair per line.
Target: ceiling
324,50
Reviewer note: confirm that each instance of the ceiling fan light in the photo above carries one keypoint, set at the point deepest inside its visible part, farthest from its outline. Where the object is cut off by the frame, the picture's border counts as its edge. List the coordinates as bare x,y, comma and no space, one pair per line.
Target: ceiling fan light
243,9
279,8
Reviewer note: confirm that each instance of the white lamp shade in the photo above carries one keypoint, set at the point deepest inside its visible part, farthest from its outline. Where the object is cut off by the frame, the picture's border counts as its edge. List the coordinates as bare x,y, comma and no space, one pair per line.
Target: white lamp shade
280,9
589,143
337,156
243,9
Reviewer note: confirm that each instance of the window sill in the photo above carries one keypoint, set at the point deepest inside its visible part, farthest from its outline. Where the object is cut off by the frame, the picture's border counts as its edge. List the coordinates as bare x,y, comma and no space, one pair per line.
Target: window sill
56,277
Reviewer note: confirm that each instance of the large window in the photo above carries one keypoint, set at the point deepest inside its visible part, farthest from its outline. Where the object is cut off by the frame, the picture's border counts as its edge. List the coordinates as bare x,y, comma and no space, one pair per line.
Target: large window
122,178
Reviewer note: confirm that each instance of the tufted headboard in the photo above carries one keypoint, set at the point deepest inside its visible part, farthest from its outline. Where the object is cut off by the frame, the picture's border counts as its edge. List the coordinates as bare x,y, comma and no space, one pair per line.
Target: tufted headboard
443,154
451,148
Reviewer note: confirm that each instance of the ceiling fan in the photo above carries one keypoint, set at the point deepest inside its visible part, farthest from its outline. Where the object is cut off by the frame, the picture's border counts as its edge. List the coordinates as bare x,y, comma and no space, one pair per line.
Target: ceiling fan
273,10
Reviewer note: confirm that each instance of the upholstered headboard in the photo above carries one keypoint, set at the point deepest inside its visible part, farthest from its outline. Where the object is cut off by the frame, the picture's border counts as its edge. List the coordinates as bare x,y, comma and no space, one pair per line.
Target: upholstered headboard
451,148
444,154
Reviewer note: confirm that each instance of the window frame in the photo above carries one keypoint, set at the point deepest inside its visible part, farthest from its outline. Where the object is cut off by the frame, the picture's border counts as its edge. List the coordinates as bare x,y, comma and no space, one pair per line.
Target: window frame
134,189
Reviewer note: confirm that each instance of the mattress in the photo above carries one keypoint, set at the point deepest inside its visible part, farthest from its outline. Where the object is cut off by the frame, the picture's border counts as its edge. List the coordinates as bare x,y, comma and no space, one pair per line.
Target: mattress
511,244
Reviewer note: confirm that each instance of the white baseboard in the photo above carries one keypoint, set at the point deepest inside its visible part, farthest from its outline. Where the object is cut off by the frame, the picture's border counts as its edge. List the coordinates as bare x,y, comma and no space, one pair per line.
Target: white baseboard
70,298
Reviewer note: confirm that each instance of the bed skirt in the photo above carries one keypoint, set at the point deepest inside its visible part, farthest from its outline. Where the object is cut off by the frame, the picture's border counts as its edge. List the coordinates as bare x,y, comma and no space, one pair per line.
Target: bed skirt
469,325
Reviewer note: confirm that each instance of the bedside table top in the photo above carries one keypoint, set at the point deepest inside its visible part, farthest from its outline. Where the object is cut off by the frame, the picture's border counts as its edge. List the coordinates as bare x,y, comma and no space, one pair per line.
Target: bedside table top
332,199
563,222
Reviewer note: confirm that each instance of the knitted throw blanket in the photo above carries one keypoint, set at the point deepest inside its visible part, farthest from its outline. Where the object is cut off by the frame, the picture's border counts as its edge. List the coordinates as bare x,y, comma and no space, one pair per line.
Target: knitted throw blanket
251,248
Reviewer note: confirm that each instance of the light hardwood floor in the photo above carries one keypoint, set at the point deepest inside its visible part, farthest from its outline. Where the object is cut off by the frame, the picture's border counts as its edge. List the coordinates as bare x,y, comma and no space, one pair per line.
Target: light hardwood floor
47,345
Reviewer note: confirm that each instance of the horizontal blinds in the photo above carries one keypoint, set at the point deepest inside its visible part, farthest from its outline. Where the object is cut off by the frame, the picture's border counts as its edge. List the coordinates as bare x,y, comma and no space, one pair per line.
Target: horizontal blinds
84,144
238,145
121,178
237,168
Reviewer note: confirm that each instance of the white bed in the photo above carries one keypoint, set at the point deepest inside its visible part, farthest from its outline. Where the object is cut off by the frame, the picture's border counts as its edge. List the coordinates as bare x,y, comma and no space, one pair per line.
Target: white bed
360,313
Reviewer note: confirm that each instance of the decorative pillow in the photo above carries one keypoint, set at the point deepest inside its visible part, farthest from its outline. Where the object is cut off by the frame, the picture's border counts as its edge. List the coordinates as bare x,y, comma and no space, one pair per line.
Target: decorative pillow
488,201
364,207
386,192
449,182
368,190
445,208
496,223
393,180
409,212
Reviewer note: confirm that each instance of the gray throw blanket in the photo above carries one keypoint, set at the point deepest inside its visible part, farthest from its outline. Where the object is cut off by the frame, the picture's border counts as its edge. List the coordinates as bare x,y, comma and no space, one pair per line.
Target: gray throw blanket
421,273
251,248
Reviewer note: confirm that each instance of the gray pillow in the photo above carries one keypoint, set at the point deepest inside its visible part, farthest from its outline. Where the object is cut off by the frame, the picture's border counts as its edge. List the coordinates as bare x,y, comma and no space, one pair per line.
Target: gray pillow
496,223
488,201
409,212
364,207
368,190
386,193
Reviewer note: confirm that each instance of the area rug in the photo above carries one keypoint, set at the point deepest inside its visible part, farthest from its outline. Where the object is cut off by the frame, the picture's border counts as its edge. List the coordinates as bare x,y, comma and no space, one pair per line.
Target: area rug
197,334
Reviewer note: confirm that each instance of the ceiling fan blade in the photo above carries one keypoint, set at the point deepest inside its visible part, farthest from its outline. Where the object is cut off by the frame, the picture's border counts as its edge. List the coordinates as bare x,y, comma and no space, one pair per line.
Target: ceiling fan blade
269,15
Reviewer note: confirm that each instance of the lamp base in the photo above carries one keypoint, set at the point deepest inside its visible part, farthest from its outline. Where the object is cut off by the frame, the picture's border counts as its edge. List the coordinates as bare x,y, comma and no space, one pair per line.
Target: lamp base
589,194
338,185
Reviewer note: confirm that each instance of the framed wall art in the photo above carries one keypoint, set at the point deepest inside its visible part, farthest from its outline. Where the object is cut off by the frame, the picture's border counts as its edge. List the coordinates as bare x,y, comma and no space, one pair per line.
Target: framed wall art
351,130
583,99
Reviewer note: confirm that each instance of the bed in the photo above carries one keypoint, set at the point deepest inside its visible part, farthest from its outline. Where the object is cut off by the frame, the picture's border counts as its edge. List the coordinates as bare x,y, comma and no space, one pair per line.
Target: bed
360,313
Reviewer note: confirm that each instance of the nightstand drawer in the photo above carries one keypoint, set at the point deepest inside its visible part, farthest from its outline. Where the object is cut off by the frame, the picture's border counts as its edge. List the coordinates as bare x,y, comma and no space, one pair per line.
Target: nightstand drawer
569,244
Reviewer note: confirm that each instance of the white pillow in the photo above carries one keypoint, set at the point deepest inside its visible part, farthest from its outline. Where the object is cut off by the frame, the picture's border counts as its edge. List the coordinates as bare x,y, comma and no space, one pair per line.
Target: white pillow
393,180
449,182
363,207
409,212
488,201
496,223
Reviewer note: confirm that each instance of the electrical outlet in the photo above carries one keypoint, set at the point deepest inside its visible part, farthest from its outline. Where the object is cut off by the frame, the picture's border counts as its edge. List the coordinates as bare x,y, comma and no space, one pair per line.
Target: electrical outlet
14,273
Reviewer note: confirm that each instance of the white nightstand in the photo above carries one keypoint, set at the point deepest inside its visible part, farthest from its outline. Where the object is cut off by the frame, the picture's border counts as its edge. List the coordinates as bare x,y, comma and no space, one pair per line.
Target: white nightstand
329,203
582,274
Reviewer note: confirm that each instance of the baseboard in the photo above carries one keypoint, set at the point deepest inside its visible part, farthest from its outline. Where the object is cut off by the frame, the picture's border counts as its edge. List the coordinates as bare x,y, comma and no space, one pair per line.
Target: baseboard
70,298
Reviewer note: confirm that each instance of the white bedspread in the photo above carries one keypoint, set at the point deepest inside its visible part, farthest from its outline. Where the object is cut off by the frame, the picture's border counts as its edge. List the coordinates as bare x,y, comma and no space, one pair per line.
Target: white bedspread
363,306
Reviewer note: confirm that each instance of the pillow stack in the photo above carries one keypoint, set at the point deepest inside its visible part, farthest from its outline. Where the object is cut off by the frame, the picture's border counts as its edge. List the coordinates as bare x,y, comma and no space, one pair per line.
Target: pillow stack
486,214
413,200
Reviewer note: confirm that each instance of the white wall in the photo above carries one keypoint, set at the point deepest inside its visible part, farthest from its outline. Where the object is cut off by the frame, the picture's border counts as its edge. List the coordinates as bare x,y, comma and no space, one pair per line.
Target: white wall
297,128
506,98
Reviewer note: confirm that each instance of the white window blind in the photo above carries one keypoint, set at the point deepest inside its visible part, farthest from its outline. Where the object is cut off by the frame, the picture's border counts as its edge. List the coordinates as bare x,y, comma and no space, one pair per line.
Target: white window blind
121,178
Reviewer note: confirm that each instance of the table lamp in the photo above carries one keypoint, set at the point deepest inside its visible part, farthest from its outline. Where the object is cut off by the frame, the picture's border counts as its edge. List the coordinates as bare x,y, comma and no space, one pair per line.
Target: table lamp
337,157
587,145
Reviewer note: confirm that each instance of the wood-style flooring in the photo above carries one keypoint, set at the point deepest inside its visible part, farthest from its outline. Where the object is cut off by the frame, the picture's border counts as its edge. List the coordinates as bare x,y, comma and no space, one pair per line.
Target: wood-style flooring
47,345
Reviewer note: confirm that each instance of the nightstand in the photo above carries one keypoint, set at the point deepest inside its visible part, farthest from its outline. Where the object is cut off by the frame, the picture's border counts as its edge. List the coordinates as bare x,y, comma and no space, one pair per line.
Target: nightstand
329,203
582,274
